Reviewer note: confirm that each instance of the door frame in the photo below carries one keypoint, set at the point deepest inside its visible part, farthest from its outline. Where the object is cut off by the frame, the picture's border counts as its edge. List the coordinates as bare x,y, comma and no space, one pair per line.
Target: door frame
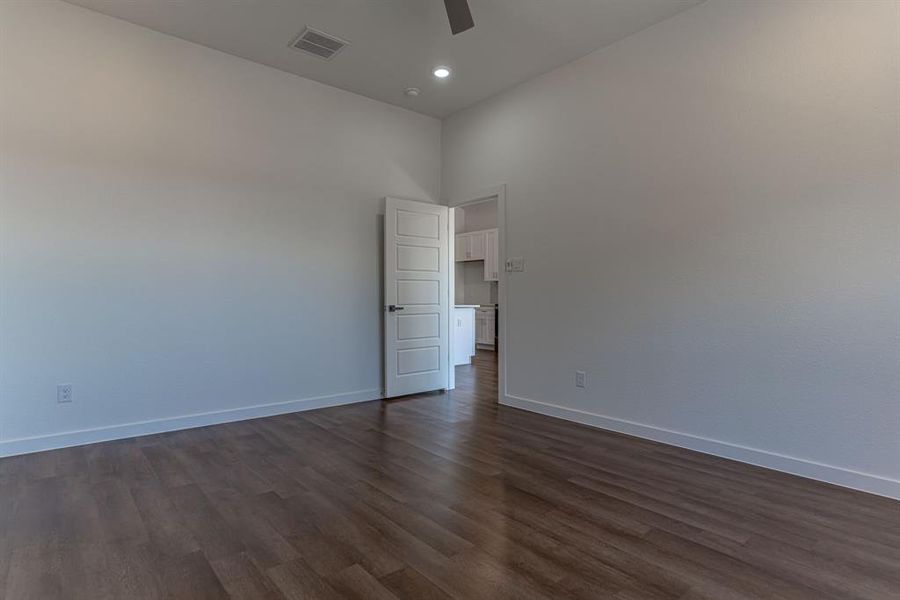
498,192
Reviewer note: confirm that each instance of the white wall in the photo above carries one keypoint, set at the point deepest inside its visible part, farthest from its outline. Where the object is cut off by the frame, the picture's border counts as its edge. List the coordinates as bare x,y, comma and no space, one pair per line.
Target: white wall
710,216
480,216
183,231
475,290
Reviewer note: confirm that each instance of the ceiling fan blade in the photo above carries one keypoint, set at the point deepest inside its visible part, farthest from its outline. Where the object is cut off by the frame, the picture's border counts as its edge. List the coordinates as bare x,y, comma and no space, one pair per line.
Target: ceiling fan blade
459,15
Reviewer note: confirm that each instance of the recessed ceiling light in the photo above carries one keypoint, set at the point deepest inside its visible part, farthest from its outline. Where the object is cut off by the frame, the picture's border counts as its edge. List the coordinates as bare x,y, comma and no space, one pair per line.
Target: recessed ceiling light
442,72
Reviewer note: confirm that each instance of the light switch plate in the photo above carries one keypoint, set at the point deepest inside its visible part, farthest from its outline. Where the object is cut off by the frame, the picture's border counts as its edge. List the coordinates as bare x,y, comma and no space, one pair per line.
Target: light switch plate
515,265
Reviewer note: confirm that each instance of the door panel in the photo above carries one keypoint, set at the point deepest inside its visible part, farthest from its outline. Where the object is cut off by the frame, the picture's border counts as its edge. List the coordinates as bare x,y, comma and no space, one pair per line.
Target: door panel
416,312
417,258
418,292
418,360
416,224
414,327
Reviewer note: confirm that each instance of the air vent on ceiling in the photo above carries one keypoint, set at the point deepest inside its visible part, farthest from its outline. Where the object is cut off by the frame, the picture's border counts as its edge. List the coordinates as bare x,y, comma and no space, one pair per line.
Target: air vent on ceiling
318,43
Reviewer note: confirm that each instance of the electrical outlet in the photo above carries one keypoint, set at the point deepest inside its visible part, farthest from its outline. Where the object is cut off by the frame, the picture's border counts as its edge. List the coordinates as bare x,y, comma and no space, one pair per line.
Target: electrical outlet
64,393
580,379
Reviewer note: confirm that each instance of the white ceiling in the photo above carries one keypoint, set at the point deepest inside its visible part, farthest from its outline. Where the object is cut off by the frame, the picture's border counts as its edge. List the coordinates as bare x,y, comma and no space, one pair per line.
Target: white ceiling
395,44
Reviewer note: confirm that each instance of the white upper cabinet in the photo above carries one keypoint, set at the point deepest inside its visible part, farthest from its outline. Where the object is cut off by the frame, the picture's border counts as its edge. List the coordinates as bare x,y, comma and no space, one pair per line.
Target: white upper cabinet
491,255
480,245
470,246
460,251
476,246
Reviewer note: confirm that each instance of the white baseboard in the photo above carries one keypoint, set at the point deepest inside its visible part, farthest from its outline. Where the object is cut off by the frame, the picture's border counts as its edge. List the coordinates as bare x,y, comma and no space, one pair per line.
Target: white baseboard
127,430
866,482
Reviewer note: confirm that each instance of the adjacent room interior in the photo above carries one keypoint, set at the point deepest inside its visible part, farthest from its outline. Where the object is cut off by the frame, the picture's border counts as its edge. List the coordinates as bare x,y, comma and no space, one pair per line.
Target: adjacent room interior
476,277
450,299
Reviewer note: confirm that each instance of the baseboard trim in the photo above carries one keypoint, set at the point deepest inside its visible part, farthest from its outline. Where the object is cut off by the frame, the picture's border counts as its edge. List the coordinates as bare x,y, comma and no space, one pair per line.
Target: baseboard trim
865,482
127,430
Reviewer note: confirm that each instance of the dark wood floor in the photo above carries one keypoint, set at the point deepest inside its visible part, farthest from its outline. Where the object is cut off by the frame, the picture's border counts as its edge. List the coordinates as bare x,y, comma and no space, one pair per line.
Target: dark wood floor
438,496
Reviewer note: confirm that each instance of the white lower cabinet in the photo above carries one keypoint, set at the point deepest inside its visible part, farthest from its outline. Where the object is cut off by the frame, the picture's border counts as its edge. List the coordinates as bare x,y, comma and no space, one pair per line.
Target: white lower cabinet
464,334
485,326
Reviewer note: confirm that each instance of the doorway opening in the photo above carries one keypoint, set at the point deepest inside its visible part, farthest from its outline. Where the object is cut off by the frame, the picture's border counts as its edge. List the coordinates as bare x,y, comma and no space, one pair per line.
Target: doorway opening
477,293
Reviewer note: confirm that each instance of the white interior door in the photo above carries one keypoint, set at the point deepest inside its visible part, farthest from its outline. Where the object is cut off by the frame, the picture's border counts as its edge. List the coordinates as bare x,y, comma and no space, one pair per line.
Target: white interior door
416,298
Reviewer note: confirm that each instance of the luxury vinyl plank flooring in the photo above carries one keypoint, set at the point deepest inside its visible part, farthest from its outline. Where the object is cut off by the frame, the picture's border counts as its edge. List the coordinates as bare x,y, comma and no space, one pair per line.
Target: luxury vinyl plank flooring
436,496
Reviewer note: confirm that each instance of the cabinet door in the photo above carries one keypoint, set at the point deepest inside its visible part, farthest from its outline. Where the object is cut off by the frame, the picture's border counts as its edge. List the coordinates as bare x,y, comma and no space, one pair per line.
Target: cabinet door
491,256
484,329
460,247
472,332
491,326
464,340
475,244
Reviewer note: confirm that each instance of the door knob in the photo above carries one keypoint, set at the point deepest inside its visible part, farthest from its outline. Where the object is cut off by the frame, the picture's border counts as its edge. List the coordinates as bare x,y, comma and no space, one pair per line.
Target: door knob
394,308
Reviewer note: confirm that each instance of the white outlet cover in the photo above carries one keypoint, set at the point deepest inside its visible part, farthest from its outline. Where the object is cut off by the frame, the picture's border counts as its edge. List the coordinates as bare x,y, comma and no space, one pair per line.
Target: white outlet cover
580,379
64,393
